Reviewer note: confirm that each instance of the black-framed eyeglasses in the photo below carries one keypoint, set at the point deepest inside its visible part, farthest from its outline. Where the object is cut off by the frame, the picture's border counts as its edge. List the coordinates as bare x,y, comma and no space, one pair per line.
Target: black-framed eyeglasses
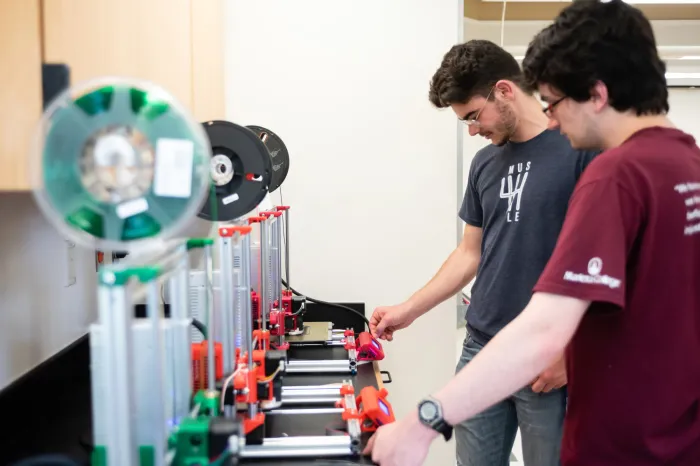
548,109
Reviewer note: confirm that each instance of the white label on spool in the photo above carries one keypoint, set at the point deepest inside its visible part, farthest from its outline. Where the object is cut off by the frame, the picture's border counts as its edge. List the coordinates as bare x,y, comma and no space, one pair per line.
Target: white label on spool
173,170
229,199
133,207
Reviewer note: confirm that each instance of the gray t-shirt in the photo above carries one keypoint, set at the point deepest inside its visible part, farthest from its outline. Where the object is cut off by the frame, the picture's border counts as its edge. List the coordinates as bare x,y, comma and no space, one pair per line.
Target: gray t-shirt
518,194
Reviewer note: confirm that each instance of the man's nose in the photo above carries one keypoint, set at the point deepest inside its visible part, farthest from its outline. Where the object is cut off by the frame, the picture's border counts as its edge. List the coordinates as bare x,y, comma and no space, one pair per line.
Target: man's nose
473,130
552,124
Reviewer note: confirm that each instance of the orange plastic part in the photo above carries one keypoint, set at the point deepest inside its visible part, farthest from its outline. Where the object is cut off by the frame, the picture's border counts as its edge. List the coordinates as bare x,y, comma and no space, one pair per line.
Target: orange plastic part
375,410
249,425
263,337
270,214
227,232
200,364
256,220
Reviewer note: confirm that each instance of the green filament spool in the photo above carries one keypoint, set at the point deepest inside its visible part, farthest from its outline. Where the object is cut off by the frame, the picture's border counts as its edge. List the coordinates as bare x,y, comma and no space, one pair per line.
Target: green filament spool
118,163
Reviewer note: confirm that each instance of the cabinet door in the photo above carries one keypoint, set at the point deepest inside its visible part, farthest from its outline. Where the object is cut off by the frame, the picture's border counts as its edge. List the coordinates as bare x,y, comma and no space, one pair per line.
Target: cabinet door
20,89
149,40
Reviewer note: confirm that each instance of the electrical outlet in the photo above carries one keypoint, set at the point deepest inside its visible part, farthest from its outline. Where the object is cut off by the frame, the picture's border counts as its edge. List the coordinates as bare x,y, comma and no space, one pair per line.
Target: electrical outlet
70,278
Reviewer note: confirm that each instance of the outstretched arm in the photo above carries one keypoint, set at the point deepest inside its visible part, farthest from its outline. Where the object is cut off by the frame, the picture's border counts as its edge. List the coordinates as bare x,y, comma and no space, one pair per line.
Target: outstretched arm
508,362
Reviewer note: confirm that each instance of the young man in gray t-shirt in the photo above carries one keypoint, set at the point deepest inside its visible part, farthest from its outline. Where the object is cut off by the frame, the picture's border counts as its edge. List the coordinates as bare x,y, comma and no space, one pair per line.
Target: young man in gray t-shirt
514,207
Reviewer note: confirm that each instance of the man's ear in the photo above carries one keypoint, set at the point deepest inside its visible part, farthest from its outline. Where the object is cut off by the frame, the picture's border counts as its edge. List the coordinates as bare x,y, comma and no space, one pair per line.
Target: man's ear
599,95
505,90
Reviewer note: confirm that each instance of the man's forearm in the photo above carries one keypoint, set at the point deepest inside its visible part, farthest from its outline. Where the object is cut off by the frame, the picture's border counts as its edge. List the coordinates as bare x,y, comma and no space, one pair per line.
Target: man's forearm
456,272
519,352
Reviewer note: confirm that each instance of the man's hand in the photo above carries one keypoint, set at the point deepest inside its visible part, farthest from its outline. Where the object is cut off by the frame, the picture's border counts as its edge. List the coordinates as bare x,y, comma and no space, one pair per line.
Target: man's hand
386,320
552,378
401,443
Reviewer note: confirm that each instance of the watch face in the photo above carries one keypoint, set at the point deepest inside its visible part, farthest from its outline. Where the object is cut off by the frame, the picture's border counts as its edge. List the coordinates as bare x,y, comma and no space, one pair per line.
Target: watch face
428,411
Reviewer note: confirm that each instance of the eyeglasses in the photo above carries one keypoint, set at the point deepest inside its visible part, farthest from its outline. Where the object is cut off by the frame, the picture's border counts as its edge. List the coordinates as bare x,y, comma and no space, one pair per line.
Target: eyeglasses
549,108
475,121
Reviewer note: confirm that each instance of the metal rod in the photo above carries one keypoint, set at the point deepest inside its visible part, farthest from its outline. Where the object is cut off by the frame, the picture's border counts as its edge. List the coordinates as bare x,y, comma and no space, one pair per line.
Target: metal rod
311,440
160,433
276,259
264,274
305,411
310,392
310,400
354,429
247,309
115,317
318,362
227,303
247,305
211,353
312,446
330,386
182,344
317,369
286,246
241,293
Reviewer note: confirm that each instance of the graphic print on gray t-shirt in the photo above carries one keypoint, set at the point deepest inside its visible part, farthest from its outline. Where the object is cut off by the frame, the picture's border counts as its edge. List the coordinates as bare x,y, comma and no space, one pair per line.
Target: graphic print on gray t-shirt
518,194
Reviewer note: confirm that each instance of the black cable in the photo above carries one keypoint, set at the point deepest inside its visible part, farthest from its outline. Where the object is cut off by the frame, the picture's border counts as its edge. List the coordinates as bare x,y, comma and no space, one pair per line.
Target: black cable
326,303
200,326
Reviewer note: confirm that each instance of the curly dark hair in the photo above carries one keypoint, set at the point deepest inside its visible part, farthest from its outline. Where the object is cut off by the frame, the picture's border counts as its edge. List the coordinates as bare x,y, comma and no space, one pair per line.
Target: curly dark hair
594,40
472,69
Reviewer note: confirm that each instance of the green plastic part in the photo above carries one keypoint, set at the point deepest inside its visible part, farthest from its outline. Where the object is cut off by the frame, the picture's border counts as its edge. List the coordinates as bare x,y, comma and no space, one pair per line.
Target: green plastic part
97,101
146,105
209,403
113,278
88,221
143,274
192,444
147,455
98,457
147,273
140,226
194,243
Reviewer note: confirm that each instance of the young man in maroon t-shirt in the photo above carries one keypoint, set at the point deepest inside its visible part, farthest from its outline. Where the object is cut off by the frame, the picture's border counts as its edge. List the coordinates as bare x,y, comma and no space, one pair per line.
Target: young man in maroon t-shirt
621,291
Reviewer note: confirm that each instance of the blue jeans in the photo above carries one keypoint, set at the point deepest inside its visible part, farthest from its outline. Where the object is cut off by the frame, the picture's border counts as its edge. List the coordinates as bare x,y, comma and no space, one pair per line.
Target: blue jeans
487,438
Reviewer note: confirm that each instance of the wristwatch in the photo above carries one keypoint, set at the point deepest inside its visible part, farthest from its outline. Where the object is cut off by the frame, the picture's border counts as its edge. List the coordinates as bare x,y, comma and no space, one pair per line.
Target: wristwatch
430,414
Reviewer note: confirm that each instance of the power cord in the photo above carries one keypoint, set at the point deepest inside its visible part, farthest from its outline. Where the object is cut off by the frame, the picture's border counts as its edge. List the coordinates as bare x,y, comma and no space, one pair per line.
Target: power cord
326,303
200,326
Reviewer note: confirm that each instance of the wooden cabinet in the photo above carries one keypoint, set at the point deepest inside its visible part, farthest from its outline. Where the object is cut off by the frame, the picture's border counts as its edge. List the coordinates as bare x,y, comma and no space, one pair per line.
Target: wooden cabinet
177,44
20,88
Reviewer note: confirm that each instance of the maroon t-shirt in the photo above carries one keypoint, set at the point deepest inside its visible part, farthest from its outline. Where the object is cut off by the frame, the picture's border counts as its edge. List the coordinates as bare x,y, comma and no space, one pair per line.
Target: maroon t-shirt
631,244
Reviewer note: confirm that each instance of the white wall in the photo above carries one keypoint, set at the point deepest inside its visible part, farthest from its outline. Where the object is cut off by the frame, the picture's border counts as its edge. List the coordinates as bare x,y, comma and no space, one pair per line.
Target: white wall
39,315
372,181
684,105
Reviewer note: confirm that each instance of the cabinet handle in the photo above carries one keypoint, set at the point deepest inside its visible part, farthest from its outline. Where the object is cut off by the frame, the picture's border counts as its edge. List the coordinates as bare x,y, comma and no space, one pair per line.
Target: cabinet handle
388,374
